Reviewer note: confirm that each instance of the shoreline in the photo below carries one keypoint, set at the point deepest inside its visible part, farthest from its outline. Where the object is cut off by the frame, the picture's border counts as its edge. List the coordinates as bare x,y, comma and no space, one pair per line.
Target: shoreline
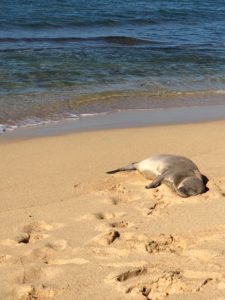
95,105
122,119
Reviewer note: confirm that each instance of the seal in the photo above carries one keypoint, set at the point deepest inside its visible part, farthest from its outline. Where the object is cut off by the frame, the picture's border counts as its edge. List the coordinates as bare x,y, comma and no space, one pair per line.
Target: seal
178,172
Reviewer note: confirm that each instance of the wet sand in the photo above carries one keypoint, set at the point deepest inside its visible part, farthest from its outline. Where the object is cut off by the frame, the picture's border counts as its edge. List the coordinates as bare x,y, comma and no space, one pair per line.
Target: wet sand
122,119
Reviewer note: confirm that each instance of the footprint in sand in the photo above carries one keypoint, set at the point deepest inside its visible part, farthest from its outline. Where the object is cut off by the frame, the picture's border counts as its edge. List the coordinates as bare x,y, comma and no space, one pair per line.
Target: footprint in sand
28,292
107,216
105,187
151,286
164,243
35,231
131,274
103,216
151,283
120,224
157,204
107,238
120,194
161,286
134,241
46,252
118,187
155,209
105,220
52,253
33,263
36,260
124,280
114,200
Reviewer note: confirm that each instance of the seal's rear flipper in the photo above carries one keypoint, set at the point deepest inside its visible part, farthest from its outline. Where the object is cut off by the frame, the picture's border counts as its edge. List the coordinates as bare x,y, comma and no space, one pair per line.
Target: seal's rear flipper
113,171
130,167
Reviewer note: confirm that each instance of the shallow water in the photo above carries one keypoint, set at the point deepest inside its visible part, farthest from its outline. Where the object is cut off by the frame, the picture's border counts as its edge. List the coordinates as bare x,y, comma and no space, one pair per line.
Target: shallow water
60,59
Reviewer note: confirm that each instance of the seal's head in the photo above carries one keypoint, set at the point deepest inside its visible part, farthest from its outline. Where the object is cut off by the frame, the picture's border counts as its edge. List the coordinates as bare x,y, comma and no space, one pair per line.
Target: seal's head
190,186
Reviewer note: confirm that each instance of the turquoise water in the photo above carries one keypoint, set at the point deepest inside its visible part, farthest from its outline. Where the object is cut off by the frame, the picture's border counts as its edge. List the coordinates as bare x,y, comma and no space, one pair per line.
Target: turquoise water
59,59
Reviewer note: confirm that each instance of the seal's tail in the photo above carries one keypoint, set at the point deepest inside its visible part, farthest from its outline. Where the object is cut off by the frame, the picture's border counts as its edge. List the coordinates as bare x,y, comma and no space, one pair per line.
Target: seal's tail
130,167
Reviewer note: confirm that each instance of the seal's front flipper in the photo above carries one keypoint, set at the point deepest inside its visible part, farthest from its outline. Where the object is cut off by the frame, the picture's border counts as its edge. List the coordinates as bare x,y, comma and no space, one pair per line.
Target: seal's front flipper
156,182
130,167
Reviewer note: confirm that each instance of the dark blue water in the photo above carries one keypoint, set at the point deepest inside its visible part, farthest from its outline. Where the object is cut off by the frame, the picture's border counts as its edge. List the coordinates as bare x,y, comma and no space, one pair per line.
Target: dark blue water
61,58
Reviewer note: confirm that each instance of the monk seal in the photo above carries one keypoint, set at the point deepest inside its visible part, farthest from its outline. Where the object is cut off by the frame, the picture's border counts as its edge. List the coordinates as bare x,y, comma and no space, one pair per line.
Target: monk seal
178,172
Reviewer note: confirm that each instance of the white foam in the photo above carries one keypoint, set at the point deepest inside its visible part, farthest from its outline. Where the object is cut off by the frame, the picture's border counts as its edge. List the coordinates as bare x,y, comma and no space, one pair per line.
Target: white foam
34,122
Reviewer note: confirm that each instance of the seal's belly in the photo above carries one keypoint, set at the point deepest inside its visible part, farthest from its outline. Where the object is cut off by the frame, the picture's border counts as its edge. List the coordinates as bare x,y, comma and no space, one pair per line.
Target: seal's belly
152,167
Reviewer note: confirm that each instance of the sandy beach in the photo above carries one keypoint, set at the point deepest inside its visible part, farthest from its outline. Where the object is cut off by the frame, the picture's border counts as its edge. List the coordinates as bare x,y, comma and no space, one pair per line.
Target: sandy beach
70,231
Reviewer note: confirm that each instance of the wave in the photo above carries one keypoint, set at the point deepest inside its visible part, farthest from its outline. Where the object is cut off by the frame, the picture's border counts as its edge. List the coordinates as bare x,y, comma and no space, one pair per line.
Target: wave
158,17
121,40
66,23
113,40
125,40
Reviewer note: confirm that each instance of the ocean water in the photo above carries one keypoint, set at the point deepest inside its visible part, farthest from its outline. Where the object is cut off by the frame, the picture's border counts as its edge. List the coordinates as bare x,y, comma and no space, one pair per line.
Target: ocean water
61,59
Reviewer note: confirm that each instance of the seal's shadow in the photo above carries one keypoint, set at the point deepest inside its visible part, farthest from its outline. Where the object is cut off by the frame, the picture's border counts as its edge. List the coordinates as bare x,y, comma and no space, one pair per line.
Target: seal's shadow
205,181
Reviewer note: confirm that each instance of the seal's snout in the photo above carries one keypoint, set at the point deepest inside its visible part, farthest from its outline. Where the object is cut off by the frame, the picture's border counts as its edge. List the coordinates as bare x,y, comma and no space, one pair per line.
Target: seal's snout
182,192
191,186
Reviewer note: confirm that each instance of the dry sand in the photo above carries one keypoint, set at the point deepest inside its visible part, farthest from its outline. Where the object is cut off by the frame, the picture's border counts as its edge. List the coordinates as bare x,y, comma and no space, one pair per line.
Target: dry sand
69,231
